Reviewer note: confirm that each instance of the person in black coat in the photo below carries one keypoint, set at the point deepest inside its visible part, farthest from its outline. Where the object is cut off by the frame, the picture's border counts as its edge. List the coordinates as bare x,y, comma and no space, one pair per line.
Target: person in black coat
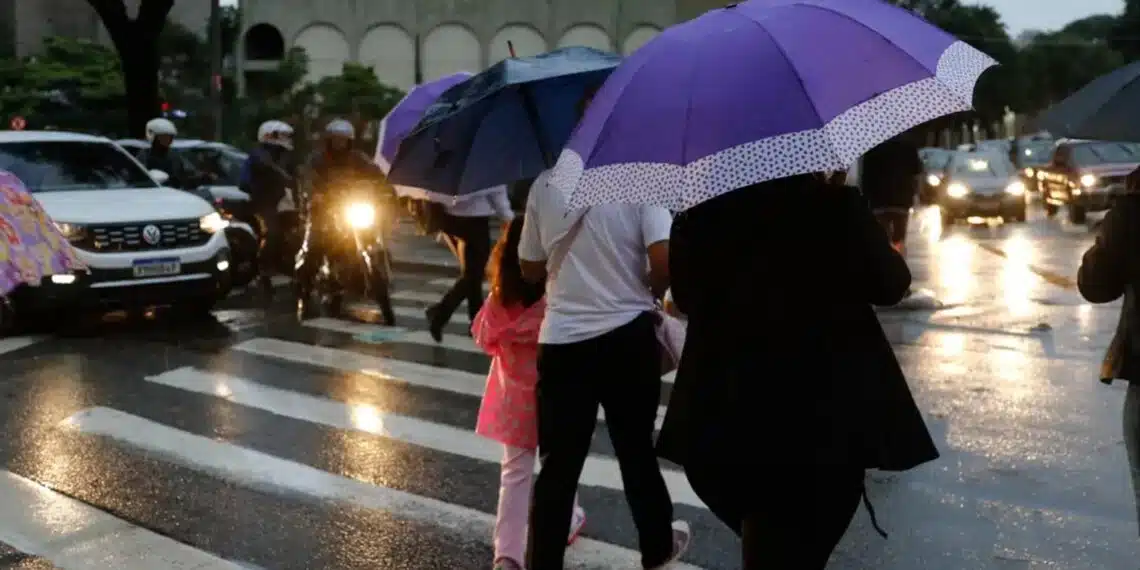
787,388
1110,269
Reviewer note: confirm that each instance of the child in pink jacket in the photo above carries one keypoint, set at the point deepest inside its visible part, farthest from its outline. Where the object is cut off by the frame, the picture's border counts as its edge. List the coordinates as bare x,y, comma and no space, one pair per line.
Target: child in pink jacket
506,328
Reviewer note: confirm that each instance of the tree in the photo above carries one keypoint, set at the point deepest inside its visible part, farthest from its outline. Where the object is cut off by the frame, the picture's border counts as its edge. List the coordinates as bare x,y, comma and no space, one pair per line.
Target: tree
1057,64
358,92
136,42
72,84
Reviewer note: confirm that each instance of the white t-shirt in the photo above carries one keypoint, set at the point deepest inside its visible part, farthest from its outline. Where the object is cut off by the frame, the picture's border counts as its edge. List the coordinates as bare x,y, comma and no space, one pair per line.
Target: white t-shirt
604,279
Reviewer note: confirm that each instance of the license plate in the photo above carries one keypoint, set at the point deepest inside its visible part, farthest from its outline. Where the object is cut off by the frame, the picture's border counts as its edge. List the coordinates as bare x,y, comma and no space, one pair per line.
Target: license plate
157,267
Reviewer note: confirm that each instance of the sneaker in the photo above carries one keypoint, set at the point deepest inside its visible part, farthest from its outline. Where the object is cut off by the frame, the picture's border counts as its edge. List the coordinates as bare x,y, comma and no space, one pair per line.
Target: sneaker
576,523
506,564
682,535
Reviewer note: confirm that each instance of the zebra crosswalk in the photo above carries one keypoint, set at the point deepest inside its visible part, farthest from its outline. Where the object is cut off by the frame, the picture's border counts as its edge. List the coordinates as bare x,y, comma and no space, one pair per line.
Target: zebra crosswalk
332,443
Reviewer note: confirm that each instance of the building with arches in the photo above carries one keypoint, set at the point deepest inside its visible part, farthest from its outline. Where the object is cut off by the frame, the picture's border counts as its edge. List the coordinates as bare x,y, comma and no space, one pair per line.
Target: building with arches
445,35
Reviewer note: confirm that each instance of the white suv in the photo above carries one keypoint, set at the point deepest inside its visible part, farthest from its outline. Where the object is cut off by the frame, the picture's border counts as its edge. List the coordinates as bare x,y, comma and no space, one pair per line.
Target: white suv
144,244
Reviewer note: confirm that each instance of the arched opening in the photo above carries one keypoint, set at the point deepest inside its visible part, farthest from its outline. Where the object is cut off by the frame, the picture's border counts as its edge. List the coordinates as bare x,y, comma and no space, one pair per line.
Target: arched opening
587,35
527,42
327,49
637,38
264,42
391,52
451,48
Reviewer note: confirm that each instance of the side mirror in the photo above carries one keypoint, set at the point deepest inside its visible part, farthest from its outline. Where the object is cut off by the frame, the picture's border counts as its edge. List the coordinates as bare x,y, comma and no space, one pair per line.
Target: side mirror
159,176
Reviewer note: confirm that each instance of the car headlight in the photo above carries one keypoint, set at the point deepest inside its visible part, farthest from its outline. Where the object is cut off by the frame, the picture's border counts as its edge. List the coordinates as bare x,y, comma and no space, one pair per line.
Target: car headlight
1041,175
934,180
1088,181
71,232
213,223
360,215
1016,188
957,190
1029,172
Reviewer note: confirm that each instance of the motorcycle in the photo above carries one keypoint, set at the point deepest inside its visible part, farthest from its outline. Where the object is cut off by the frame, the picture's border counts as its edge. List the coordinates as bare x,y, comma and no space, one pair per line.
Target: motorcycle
357,262
244,233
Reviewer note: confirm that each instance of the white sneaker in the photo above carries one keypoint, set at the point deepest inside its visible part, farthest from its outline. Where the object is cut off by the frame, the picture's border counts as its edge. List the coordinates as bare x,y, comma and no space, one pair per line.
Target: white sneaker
682,535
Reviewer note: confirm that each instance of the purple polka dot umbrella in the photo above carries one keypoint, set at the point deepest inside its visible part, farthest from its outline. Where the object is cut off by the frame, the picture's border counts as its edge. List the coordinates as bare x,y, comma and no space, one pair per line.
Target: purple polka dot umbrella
758,91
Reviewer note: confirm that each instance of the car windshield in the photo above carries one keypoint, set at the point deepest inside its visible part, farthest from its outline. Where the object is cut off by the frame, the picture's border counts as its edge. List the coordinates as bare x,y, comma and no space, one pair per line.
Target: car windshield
980,165
223,163
1036,154
934,158
56,166
1106,153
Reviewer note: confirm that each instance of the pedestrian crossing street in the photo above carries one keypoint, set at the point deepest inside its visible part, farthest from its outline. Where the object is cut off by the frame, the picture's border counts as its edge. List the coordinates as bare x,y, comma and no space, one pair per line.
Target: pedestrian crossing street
247,452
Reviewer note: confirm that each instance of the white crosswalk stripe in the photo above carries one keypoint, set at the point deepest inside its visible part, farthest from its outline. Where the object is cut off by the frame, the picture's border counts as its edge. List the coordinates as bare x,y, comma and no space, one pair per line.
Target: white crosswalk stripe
242,464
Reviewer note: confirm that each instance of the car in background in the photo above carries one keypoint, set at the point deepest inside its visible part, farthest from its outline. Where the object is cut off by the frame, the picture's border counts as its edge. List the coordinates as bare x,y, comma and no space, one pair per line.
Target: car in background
1085,176
934,162
981,184
143,244
1032,156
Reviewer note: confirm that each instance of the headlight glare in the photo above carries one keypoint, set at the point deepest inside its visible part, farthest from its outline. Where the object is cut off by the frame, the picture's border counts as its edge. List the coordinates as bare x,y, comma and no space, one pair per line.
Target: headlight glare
934,180
213,223
1088,181
957,190
71,232
1016,188
360,215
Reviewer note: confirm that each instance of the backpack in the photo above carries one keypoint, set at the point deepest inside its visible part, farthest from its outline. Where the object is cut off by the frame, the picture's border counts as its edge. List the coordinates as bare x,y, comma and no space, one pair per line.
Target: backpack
428,215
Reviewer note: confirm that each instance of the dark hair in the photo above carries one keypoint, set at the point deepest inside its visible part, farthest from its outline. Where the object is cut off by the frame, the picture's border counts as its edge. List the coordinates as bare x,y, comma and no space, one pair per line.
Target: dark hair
507,283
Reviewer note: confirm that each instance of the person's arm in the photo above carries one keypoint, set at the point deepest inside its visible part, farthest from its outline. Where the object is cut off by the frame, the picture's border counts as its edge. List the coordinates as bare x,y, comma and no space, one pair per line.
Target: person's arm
532,256
501,204
656,223
881,274
1103,274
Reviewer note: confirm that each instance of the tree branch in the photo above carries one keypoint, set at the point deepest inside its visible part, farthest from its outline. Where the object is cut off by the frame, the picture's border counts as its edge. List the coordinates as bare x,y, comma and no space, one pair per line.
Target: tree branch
113,13
152,18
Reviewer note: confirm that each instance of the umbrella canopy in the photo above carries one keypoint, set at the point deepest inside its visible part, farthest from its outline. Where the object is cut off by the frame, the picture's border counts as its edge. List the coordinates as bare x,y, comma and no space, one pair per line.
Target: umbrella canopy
758,91
31,246
501,125
1107,109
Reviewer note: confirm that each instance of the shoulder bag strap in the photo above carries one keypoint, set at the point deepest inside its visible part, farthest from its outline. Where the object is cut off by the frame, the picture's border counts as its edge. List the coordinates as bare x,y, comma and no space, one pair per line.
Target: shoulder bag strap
562,247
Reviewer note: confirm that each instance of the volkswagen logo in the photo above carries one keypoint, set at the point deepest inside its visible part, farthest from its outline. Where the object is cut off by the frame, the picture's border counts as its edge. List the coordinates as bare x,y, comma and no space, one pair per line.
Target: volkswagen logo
152,235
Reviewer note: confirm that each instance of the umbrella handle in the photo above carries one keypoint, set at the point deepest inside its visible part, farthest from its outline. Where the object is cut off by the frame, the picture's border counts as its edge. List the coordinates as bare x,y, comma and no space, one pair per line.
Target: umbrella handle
511,48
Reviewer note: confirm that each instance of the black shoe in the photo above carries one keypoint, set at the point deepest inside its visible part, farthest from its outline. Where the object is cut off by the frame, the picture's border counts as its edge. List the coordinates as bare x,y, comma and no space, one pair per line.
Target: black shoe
435,327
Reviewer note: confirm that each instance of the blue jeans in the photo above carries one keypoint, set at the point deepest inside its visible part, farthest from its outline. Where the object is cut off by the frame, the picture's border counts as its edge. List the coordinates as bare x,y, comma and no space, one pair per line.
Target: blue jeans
1132,438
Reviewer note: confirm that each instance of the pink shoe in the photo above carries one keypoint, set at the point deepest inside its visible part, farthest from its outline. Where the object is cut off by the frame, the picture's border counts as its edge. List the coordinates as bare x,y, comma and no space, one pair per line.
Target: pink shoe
576,523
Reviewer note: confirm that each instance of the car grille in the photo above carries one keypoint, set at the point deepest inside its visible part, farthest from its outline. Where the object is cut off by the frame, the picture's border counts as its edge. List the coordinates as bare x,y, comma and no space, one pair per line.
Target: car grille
129,237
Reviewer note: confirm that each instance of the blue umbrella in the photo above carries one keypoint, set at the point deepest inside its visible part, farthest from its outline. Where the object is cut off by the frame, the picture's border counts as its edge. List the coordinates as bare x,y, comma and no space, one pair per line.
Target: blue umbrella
502,125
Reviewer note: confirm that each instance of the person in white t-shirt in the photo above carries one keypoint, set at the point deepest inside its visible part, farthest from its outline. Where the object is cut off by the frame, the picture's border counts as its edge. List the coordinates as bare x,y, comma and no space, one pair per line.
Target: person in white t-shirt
598,346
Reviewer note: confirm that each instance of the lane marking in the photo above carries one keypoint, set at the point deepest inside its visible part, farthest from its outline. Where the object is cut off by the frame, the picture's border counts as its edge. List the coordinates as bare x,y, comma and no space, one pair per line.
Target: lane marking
1051,277
599,471
75,536
418,296
462,343
258,470
14,343
400,371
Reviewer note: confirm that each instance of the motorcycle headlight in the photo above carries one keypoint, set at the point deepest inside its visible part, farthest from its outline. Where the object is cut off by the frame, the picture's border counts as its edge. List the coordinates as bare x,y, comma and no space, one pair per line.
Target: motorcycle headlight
1015,188
1088,181
934,180
360,215
957,190
213,223
71,232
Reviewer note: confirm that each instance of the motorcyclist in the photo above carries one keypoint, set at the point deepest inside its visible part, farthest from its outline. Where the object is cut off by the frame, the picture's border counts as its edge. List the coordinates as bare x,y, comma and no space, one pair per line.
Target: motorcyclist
334,166
160,134
266,177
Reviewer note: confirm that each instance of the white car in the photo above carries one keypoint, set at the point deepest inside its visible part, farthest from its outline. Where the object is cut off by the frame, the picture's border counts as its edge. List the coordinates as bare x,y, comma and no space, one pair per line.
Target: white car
143,244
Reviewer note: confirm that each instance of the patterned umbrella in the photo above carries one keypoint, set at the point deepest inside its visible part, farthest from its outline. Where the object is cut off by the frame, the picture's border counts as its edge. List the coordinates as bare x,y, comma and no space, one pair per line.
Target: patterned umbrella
31,247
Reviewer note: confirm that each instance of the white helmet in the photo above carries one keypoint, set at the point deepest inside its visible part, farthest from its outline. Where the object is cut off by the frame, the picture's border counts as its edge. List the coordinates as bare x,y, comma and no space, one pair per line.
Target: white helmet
340,128
159,127
277,133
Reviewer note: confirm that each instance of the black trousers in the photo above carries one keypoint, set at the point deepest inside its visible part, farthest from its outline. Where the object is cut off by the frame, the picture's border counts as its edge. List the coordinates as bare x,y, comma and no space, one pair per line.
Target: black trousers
621,371
269,256
471,240
787,521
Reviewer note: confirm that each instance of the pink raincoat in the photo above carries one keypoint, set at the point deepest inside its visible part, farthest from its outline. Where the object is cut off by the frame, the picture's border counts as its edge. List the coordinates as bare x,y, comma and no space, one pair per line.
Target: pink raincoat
510,337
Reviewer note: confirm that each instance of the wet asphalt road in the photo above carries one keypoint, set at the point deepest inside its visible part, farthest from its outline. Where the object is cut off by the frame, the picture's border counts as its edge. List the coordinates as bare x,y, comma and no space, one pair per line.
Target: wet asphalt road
251,441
